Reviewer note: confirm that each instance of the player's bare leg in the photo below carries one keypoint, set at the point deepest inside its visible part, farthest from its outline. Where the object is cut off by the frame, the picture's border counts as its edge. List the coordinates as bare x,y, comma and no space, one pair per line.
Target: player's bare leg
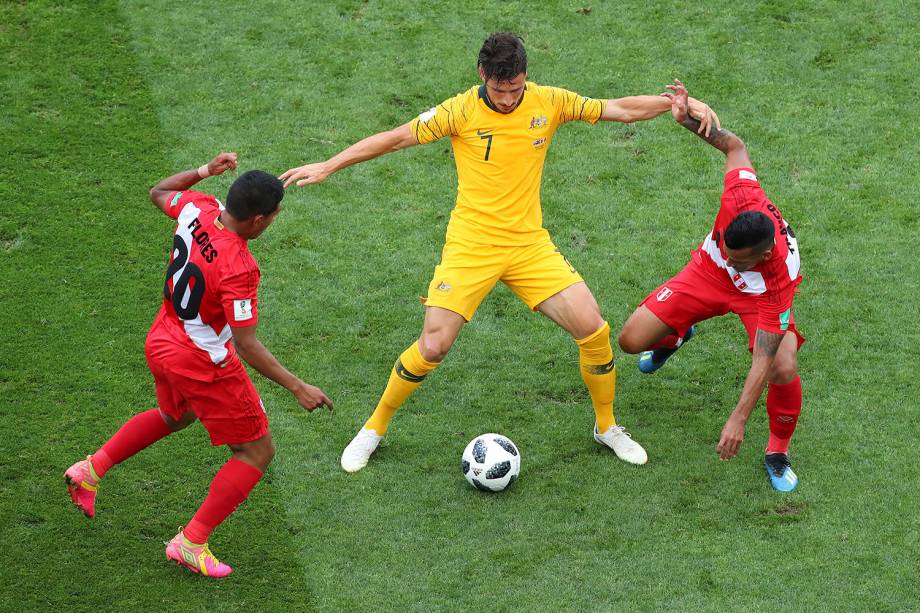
230,487
576,311
784,403
785,365
138,433
258,453
174,425
642,330
644,333
439,332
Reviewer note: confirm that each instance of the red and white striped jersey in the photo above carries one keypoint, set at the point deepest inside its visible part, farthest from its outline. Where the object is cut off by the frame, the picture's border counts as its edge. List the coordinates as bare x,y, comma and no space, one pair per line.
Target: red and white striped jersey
771,283
211,284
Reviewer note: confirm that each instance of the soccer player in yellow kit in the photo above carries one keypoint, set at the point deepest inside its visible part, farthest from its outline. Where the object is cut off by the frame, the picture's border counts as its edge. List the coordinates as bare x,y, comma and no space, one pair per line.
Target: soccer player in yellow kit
500,132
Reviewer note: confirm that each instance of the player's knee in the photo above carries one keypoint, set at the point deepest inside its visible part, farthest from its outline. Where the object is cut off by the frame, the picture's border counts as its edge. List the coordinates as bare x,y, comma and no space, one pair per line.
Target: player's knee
628,341
265,451
433,347
590,326
269,453
258,453
260,458
784,370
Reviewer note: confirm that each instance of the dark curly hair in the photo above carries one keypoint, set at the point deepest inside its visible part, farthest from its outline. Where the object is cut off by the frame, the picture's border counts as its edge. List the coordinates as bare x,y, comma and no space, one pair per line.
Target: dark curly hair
503,56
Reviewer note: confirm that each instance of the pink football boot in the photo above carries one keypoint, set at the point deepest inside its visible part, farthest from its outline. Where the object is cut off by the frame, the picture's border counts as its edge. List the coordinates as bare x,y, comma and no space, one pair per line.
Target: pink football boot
196,558
82,486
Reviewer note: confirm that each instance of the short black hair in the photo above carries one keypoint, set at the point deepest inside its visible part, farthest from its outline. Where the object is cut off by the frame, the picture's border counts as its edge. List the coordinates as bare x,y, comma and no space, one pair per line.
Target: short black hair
750,229
502,56
254,193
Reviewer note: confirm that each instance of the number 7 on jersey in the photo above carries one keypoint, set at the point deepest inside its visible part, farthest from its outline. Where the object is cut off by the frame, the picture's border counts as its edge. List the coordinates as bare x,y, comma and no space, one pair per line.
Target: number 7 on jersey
488,145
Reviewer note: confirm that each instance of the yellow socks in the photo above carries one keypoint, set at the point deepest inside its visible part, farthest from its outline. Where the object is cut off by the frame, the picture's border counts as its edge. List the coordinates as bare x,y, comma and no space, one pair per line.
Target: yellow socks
595,359
407,374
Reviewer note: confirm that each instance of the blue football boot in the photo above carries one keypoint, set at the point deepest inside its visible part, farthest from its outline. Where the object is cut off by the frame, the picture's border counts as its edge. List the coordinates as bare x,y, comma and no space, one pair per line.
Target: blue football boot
650,361
780,471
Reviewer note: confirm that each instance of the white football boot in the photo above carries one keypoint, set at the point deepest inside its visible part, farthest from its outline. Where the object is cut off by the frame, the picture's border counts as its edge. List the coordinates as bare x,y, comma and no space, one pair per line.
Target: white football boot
618,439
359,450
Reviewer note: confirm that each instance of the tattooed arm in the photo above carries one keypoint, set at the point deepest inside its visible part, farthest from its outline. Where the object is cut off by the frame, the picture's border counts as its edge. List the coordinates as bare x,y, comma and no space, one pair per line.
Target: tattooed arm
733,147
766,344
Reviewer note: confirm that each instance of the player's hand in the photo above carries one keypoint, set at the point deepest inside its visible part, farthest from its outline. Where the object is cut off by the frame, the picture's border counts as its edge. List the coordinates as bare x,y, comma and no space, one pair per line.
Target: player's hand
221,163
679,100
732,435
306,174
706,116
311,397
682,104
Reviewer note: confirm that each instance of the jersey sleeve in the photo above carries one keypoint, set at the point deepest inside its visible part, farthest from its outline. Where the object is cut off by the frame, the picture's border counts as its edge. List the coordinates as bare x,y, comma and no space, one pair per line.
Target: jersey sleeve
741,176
178,200
445,119
239,294
742,192
574,107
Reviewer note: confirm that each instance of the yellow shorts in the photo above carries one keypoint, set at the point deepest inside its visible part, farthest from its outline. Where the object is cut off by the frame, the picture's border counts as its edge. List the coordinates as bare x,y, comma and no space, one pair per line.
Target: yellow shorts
468,272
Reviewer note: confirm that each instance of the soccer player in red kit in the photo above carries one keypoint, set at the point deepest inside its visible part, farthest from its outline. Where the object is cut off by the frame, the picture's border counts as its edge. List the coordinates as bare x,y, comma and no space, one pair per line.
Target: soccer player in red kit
206,323
748,265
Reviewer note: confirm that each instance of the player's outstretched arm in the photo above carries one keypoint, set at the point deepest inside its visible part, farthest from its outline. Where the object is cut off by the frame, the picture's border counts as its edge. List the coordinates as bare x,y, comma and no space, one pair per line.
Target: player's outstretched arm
159,193
736,155
259,357
363,150
766,344
641,108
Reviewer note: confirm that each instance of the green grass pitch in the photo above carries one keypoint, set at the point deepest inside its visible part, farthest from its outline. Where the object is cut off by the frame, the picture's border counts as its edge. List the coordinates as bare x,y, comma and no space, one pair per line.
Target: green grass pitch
98,100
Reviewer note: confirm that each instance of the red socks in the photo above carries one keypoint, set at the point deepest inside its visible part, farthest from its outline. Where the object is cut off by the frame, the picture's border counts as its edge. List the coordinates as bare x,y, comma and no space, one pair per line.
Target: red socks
784,403
230,487
138,433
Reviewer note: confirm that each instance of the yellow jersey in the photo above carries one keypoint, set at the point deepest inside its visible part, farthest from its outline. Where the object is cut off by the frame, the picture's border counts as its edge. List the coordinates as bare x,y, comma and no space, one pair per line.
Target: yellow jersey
500,158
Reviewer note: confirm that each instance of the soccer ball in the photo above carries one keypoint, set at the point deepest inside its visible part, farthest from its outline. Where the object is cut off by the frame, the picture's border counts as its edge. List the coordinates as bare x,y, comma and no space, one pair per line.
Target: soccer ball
491,462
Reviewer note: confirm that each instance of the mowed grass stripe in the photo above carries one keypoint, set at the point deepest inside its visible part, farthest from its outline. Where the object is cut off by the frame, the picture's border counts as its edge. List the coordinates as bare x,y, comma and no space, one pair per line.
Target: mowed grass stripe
84,254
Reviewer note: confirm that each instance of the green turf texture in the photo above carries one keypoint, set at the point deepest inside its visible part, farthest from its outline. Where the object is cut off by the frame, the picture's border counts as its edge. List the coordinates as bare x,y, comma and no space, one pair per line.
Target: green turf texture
100,100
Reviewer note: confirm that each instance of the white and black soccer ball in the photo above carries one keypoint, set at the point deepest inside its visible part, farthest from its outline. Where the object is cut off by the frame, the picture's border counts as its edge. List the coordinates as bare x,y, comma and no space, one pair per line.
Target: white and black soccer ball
491,462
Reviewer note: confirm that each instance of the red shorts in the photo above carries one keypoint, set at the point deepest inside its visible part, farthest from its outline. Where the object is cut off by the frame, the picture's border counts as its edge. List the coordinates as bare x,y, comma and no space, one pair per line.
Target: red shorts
691,296
229,407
